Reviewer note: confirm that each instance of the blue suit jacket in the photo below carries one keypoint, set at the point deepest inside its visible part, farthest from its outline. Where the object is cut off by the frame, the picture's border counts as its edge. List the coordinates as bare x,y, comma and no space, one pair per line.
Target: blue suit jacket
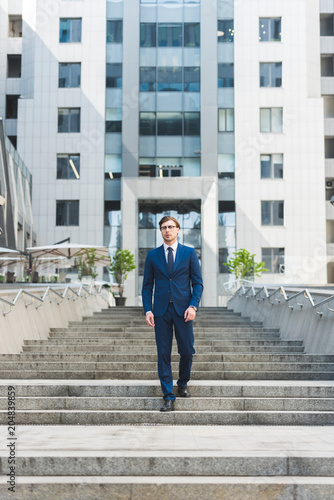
186,272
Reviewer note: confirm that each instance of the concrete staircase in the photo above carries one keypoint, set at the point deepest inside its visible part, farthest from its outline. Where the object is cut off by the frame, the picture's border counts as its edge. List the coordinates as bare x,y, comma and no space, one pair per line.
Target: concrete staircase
87,402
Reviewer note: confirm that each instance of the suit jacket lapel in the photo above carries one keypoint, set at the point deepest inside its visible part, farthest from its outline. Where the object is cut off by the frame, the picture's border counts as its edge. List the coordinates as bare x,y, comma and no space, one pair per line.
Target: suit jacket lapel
178,256
163,258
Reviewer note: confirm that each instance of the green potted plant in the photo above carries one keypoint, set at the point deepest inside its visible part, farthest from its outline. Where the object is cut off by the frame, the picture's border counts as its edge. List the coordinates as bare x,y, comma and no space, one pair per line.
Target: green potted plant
87,264
243,265
121,264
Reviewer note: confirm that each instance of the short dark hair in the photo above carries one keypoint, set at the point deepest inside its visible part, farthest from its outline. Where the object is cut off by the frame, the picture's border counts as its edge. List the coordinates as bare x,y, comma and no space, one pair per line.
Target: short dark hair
167,218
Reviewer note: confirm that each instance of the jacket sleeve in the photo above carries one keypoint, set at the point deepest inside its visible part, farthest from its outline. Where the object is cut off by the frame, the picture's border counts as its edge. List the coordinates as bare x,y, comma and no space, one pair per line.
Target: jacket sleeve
148,282
196,280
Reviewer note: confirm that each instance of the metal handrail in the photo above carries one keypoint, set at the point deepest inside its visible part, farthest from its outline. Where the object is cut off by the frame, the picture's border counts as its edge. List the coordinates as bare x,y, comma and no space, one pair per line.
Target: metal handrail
257,290
68,290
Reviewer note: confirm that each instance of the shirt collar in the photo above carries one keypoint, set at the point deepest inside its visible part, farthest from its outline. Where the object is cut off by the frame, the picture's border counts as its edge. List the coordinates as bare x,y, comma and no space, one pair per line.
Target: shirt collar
174,247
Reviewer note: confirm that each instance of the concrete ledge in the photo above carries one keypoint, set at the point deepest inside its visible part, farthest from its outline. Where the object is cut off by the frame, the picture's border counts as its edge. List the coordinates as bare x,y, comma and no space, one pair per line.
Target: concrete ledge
29,323
187,488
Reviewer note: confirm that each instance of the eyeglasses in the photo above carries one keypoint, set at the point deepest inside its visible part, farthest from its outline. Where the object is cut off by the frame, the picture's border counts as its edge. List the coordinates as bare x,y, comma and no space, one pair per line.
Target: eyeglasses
165,228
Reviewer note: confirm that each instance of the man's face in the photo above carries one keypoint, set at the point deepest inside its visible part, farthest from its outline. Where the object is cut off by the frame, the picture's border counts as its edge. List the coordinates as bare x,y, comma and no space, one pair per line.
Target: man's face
169,232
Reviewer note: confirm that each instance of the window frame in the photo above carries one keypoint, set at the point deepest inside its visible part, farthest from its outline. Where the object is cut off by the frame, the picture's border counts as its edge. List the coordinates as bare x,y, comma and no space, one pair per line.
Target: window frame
271,120
272,166
270,76
280,266
272,216
69,131
71,30
70,169
68,214
270,29
225,119
70,64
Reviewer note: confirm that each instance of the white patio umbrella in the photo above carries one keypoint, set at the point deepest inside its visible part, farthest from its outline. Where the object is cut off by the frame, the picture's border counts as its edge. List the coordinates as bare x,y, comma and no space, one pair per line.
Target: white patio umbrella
70,251
9,256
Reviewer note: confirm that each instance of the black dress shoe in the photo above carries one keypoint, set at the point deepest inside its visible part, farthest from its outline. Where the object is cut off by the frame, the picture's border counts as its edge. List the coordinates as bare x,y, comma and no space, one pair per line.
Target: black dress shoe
183,392
168,406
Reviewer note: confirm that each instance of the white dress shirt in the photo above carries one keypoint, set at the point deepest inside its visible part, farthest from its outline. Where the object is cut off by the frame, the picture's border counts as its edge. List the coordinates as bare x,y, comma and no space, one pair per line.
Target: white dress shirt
174,247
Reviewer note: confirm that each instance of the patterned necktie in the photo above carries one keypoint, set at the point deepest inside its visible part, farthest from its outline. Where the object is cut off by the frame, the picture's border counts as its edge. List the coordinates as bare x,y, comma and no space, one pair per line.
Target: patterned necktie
170,260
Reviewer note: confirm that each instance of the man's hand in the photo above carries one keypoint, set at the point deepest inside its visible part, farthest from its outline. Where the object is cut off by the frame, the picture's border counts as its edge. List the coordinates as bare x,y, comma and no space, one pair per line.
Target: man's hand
190,314
150,319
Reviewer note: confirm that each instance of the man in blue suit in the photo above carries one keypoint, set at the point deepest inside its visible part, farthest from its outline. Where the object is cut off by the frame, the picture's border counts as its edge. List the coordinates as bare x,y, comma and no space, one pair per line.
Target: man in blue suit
173,271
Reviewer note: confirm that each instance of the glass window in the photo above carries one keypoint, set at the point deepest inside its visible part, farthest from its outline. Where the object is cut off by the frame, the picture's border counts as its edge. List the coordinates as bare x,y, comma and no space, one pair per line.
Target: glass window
12,106
271,120
148,34
147,124
148,79
225,254
70,30
69,75
192,35
272,166
326,25
169,123
68,119
225,31
114,31
170,35
327,65
191,79
272,213
14,66
192,123
226,120
274,259
271,74
113,126
226,213
68,166
15,26
225,75
226,166
113,166
329,147
270,29
67,212
169,78
114,75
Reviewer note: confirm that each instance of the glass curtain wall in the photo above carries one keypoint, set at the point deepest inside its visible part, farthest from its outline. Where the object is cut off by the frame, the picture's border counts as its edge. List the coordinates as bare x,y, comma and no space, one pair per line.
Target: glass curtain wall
225,130
188,213
113,126
169,119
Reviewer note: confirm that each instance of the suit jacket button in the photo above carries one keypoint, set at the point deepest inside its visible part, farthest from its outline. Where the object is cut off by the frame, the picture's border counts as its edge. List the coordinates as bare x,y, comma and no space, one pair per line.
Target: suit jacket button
170,280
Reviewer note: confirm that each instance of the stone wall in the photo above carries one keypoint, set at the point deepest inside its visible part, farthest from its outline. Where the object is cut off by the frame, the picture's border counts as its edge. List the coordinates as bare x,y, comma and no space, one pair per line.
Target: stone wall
29,323
295,324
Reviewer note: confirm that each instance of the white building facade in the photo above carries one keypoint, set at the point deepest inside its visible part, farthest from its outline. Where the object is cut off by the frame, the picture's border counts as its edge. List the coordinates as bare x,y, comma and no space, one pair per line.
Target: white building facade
209,110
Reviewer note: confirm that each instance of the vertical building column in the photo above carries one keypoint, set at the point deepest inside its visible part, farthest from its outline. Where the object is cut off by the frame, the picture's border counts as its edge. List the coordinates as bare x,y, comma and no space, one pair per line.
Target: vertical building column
209,152
209,220
130,139
129,206
131,17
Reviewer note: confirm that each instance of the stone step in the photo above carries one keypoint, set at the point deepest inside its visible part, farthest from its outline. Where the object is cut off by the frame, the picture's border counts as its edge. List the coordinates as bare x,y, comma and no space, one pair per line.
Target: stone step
140,366
182,487
102,348
148,335
210,389
147,329
184,463
11,374
204,404
145,357
178,417
142,342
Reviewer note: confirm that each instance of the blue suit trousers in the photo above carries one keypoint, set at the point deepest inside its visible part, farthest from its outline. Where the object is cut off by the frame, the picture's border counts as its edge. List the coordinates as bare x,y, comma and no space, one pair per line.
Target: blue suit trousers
185,343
